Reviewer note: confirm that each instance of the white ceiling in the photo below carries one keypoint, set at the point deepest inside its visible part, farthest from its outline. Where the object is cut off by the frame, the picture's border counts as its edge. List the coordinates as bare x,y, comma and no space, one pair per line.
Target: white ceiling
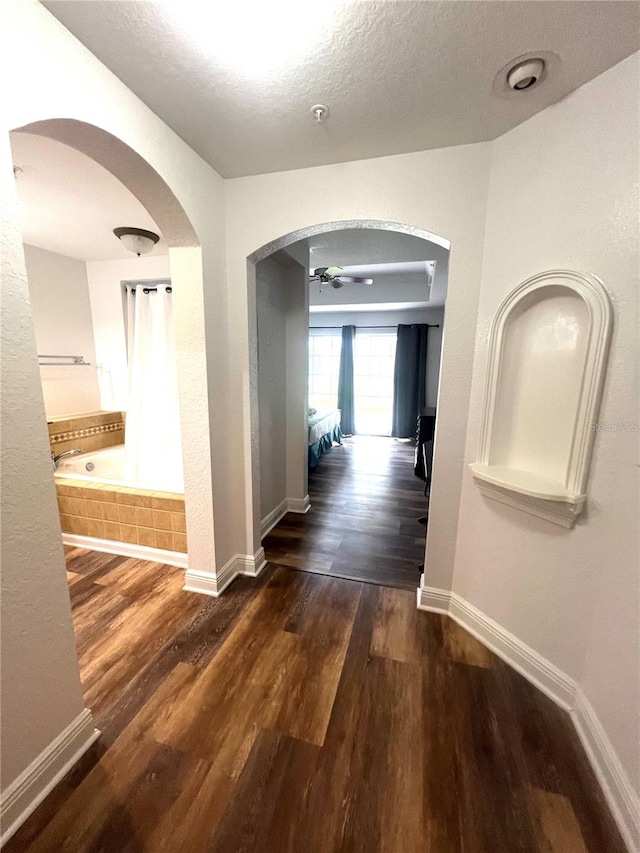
236,80
70,205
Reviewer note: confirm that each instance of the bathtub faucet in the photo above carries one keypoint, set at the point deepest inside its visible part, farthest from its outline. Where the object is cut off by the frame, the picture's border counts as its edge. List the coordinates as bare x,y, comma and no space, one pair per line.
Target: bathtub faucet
56,458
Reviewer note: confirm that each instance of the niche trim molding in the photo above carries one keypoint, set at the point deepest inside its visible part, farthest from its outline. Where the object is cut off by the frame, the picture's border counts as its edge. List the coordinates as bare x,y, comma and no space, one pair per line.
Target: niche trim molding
559,499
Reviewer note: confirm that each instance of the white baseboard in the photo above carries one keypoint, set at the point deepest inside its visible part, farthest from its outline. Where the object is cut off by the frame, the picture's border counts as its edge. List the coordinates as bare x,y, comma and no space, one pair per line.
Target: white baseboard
126,549
254,565
563,690
527,661
25,794
214,584
276,515
299,505
434,600
616,785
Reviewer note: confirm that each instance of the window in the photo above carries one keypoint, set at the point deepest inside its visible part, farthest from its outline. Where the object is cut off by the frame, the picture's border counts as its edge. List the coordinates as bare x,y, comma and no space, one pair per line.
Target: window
324,368
374,361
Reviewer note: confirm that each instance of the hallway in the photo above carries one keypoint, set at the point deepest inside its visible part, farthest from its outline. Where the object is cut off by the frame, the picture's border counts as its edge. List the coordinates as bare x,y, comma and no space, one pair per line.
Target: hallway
300,712
363,523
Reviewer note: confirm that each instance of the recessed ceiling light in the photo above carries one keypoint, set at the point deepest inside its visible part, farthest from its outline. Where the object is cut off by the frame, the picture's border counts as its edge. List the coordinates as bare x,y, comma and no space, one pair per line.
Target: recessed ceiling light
525,75
528,72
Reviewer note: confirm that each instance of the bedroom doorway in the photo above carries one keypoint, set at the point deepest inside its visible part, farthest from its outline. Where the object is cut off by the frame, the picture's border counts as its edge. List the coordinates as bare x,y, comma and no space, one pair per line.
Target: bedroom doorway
338,488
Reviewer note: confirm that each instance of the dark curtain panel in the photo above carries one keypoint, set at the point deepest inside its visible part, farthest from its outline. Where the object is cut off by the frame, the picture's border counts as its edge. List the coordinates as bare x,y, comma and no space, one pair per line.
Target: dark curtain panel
409,379
346,398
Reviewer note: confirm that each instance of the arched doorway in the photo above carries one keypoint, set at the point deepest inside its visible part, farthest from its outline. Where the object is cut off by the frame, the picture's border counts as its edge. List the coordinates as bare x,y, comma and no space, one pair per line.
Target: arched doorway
185,258
255,258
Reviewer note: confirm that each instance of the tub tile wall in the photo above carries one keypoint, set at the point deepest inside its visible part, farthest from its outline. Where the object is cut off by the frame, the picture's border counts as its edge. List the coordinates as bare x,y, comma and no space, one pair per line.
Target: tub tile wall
134,516
93,431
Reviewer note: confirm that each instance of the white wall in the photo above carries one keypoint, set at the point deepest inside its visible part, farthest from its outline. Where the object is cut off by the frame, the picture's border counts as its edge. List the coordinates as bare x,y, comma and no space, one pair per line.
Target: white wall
60,78
433,316
62,322
282,312
443,192
563,194
297,380
272,294
41,692
104,278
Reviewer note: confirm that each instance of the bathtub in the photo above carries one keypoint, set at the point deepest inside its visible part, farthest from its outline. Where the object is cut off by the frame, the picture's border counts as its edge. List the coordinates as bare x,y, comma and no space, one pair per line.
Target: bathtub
100,509
108,467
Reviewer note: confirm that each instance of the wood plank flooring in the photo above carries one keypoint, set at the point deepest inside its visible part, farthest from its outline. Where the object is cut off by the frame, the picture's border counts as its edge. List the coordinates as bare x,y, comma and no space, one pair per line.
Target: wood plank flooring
305,714
363,522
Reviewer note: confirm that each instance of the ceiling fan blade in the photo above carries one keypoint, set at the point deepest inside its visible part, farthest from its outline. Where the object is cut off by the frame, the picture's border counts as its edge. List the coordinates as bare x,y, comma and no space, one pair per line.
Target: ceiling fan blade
353,279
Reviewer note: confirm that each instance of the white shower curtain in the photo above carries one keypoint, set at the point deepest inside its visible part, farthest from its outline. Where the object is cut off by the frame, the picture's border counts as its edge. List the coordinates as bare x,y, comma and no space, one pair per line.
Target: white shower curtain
153,449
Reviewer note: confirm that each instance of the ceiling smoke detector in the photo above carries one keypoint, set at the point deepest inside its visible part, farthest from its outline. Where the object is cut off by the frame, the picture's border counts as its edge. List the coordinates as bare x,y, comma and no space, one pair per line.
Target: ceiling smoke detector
526,74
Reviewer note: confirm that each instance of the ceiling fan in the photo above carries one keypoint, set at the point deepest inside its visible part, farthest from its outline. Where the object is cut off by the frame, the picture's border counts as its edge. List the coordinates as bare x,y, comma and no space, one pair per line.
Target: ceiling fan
335,277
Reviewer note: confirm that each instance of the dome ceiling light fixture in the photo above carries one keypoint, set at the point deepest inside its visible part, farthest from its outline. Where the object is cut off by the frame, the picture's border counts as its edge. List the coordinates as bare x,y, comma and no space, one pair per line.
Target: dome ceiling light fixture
136,240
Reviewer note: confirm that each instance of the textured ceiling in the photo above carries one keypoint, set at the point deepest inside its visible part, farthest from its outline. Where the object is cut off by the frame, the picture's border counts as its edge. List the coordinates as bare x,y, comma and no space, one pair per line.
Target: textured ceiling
236,80
70,205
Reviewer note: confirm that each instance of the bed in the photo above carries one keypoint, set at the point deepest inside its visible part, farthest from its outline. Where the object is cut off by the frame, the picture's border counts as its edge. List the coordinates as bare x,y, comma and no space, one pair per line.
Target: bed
324,430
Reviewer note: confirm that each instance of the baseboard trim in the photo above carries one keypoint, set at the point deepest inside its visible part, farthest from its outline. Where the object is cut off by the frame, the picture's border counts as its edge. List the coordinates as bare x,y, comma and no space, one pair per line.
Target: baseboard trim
127,549
561,689
274,517
527,661
299,505
26,793
253,566
616,785
214,584
434,600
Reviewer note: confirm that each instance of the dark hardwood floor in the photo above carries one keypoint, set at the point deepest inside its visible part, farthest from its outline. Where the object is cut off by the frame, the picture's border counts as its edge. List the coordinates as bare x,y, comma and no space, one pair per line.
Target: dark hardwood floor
363,522
305,714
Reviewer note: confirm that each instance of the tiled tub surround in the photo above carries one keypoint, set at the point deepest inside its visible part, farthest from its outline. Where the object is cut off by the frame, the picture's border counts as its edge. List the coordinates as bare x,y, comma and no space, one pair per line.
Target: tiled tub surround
91,431
122,514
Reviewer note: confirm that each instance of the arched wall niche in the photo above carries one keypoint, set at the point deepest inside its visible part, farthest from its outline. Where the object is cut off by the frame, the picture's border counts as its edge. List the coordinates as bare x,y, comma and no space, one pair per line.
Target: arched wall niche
252,447
548,348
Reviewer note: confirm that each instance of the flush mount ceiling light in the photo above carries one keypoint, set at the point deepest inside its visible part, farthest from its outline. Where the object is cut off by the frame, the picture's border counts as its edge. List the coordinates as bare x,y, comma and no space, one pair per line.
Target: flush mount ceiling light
136,240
